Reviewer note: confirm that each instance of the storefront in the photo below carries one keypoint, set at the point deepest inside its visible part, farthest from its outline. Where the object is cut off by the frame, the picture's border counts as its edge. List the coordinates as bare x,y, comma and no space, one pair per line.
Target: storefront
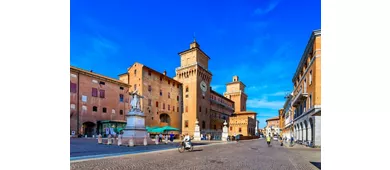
106,127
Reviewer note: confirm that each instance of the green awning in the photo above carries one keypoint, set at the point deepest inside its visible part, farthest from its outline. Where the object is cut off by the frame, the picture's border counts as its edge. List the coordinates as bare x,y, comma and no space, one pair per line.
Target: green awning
157,129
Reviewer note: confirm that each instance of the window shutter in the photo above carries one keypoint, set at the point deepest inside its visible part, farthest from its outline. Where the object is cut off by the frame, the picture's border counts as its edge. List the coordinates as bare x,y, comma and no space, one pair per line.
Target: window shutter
101,93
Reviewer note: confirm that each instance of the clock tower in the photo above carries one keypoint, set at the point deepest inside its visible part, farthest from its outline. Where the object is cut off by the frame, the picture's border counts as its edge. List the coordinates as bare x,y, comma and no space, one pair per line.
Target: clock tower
193,73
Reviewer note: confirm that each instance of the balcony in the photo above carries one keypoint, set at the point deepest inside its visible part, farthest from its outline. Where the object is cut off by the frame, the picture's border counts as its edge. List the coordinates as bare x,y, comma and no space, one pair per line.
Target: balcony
299,97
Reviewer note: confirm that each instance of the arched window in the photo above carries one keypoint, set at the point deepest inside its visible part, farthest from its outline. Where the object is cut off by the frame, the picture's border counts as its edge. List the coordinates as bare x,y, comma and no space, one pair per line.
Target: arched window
203,124
187,89
94,108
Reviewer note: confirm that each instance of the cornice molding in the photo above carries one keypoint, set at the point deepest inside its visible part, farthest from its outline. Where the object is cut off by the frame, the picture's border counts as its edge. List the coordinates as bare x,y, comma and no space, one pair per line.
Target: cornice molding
193,49
98,76
309,45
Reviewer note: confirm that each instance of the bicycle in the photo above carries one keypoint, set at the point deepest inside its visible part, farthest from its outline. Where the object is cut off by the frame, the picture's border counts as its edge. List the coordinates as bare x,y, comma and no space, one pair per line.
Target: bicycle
182,147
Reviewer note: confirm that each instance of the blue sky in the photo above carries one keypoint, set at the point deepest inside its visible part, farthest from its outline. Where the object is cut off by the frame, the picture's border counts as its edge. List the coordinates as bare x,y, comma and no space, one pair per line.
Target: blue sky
261,41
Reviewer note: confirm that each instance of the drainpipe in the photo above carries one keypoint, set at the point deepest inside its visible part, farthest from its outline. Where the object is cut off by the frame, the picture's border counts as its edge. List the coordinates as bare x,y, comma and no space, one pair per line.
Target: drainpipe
78,105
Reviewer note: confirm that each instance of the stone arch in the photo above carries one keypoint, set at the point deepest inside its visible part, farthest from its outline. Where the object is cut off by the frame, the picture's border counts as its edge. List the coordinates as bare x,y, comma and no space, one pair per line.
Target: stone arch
165,118
89,128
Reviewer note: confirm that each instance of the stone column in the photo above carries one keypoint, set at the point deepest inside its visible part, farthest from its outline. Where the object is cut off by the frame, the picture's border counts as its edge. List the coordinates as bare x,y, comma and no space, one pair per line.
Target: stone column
317,130
197,131
225,131
301,133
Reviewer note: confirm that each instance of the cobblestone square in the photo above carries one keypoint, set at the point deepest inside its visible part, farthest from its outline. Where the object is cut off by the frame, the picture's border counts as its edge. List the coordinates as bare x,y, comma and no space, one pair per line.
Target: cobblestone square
252,154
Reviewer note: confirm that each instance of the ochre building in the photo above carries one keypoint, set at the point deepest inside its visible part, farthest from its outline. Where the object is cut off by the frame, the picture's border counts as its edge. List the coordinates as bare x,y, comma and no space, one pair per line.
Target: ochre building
162,95
281,121
306,100
183,99
242,121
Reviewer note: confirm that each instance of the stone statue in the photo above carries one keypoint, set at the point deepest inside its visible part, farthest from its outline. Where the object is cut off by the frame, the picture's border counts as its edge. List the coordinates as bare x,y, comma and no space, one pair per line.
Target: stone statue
135,102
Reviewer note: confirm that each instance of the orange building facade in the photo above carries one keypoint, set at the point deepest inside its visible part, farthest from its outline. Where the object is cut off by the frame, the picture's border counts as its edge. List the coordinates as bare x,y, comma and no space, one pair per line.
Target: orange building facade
242,121
162,95
183,99
306,101
281,121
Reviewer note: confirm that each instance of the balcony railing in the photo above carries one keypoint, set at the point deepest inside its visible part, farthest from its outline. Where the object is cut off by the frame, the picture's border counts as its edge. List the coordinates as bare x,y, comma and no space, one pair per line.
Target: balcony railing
302,94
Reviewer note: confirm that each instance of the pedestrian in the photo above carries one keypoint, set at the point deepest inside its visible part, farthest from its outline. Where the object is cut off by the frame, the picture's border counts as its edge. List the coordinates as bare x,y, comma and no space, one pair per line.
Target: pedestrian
292,139
171,137
160,137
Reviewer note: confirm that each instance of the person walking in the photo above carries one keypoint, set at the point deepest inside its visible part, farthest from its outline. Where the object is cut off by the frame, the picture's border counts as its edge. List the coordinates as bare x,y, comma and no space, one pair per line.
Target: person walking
291,140
268,138
171,137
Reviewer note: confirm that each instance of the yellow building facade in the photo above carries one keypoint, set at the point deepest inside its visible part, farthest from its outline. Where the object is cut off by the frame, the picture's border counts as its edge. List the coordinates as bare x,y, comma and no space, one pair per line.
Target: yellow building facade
242,121
306,101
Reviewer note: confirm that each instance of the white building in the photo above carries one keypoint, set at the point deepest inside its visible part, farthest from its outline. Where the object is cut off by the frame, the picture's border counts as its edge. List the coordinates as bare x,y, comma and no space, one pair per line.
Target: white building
288,117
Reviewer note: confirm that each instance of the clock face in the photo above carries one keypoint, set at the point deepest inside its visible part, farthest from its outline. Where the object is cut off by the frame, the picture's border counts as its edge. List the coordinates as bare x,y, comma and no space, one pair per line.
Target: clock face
203,86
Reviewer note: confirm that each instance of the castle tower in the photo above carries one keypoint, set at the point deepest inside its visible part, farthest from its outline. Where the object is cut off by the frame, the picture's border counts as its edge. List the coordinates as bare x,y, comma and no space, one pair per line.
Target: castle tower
193,73
235,91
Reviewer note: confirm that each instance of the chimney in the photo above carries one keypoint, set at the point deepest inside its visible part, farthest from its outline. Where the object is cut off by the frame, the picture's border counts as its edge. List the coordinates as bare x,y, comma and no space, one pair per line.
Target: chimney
165,73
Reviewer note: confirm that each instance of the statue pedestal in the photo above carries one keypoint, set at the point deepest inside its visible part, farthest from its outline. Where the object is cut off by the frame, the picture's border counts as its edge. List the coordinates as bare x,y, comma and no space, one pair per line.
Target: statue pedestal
135,128
225,133
197,132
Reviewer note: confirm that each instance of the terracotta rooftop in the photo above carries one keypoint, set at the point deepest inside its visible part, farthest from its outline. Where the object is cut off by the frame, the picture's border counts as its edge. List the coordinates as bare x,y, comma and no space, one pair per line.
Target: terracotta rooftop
273,118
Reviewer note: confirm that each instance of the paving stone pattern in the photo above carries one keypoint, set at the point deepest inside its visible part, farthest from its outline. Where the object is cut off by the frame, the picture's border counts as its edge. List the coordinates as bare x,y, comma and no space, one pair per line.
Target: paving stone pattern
253,154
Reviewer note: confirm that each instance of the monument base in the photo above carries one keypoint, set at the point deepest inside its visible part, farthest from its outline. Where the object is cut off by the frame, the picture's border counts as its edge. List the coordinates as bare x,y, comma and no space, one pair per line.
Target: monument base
138,136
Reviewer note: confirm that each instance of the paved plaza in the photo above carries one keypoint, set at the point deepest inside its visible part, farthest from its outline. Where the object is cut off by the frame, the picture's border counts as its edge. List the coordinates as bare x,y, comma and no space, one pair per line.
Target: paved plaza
251,154
82,148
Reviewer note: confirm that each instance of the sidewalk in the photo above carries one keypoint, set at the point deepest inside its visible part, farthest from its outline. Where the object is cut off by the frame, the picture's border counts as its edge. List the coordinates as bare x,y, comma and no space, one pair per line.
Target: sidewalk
298,146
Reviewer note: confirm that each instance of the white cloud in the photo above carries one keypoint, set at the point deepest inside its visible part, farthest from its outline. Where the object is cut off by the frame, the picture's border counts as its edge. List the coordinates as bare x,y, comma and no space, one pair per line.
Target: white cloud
264,103
281,93
267,9
256,88
215,87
